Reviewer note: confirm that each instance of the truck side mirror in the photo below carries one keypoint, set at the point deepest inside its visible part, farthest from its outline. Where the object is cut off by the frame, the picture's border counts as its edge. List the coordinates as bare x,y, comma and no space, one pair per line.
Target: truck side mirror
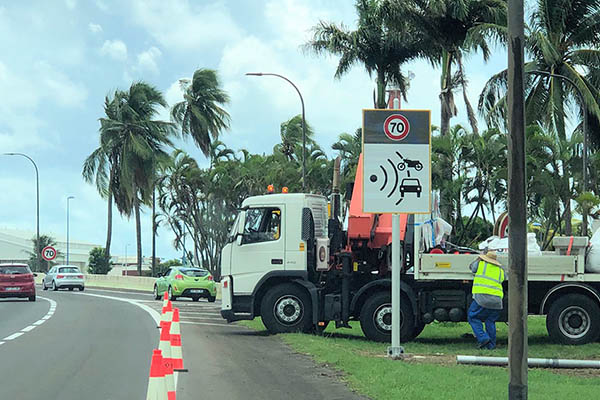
239,238
241,223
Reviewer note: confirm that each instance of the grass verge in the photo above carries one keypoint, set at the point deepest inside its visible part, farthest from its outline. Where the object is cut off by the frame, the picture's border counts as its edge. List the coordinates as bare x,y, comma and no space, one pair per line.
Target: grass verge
432,373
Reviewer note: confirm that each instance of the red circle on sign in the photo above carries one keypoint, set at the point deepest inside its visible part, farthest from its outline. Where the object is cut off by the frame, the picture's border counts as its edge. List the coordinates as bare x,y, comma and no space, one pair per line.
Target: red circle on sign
48,253
396,127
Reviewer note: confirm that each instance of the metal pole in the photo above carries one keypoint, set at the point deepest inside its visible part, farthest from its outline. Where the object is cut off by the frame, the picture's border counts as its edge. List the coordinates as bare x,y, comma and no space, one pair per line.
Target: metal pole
395,351
68,198
584,228
303,120
517,240
37,187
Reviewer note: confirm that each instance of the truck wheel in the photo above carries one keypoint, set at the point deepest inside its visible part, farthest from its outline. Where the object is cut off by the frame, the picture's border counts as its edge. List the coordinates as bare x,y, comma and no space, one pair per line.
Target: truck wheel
376,318
574,319
286,308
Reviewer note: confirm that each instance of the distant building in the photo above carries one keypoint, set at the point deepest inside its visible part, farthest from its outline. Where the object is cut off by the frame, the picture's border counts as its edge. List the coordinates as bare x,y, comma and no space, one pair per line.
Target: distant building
16,244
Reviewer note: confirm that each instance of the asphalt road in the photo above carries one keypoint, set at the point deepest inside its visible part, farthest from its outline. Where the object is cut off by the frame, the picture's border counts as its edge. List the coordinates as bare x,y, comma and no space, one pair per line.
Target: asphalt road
94,347
90,348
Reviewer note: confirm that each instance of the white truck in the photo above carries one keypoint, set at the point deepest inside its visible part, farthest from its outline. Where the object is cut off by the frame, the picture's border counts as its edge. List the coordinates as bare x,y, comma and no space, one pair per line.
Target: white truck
290,264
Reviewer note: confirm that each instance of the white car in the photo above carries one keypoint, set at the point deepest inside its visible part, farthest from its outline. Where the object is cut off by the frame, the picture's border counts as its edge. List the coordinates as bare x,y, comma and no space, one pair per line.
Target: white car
63,276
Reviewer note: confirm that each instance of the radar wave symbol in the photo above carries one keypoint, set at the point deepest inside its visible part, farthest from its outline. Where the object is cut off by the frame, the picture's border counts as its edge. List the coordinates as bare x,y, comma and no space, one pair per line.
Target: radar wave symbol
387,178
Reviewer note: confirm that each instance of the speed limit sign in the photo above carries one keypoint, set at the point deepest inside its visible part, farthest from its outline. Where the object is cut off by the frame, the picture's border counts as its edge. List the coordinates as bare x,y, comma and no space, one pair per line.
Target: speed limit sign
396,127
48,253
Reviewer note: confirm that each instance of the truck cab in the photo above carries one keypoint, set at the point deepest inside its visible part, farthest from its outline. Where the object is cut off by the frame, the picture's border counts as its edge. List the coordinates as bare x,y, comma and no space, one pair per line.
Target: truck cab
271,244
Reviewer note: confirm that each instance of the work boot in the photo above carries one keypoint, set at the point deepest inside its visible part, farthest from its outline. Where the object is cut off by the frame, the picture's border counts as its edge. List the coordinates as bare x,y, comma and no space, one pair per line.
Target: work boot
485,344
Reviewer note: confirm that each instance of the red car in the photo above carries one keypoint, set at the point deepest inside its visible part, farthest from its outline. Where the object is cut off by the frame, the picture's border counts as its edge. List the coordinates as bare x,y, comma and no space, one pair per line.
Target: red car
16,280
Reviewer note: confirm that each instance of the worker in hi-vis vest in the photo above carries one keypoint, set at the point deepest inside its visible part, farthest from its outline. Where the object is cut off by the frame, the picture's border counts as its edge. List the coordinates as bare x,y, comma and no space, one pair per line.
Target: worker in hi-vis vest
487,298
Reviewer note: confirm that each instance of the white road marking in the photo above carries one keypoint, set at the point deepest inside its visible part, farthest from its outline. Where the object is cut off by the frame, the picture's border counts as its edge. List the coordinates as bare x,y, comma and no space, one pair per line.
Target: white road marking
215,317
13,336
1,343
153,313
211,324
31,327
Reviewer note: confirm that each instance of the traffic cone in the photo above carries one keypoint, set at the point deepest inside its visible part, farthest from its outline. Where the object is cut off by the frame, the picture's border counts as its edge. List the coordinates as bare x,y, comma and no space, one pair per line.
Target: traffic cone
165,299
167,316
165,346
176,353
157,389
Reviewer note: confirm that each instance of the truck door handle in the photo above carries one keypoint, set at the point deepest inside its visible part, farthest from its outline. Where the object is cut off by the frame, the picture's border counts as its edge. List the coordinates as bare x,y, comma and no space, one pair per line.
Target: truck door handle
276,261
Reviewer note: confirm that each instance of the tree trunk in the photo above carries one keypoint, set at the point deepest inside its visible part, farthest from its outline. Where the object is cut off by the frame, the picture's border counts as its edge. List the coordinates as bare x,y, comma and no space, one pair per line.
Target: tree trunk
463,83
138,232
447,106
109,222
381,84
153,231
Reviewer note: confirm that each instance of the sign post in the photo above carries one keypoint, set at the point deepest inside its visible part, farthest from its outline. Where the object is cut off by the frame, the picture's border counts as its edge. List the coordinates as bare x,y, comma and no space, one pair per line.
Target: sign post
396,180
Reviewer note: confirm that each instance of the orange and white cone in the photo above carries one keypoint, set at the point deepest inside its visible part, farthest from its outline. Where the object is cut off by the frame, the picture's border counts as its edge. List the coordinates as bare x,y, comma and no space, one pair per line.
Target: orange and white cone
165,346
165,299
166,316
157,389
176,353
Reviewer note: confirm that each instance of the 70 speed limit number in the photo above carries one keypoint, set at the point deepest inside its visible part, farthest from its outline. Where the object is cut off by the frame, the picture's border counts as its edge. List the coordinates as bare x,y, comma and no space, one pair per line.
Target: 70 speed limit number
396,127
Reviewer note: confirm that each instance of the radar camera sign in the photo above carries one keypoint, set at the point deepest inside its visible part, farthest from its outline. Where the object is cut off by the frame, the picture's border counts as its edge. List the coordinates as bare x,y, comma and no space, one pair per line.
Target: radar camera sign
396,161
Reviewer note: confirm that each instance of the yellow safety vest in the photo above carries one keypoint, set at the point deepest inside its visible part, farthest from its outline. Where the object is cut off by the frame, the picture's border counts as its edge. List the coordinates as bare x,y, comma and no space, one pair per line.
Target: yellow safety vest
488,279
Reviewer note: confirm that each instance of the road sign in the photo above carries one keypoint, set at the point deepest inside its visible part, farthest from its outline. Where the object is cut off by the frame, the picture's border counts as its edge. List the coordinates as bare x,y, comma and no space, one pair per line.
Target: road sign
396,161
48,253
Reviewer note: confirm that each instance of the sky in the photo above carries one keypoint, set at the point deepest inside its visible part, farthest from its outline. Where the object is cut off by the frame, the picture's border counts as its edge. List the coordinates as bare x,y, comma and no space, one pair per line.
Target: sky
59,60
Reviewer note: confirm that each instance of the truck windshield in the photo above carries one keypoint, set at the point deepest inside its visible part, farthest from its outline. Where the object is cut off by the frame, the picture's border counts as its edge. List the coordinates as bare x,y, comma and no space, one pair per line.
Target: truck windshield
262,224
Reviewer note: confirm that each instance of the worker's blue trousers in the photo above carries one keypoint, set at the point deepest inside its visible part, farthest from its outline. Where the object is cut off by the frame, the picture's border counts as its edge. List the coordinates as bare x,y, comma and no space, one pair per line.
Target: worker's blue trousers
477,317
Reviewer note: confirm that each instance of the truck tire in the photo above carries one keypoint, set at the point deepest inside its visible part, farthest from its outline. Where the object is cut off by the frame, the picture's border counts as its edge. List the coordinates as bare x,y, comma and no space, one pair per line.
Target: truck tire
376,318
574,319
286,308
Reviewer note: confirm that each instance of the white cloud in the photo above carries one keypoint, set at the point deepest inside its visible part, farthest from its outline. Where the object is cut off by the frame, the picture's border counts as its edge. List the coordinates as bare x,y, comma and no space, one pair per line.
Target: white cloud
71,4
59,86
182,26
115,49
102,5
146,61
94,28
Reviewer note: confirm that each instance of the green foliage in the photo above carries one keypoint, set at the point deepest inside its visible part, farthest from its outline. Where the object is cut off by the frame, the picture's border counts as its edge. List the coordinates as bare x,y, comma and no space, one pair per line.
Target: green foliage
45,240
475,232
164,266
99,261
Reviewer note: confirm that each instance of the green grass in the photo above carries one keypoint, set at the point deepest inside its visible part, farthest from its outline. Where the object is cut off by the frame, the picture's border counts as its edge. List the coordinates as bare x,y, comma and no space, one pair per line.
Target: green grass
436,375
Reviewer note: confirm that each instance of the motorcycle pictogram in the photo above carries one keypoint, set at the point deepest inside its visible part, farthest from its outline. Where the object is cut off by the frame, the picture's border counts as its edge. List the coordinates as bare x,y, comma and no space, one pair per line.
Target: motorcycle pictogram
416,164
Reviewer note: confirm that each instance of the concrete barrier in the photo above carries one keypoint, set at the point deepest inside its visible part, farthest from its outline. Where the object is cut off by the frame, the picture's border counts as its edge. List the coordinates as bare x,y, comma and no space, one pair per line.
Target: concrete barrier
143,283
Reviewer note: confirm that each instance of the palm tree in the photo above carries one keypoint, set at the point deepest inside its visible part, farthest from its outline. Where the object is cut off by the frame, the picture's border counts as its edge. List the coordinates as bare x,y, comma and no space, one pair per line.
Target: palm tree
138,141
291,138
562,39
380,46
200,114
456,28
349,148
101,167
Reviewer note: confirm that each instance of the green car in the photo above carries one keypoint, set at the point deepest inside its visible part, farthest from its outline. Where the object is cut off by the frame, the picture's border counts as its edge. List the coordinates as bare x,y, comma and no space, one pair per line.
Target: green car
183,281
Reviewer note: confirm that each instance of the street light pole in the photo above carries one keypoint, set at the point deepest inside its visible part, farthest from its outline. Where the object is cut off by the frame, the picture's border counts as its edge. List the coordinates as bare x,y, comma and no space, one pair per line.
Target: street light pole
68,198
37,185
584,228
303,120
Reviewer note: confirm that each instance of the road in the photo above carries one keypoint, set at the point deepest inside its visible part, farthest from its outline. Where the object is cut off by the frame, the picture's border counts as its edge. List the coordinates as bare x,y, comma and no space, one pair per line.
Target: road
97,345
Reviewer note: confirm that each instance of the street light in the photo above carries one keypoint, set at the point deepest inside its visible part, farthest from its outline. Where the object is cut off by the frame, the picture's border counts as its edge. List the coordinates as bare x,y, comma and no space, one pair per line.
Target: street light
585,139
37,185
303,120
68,198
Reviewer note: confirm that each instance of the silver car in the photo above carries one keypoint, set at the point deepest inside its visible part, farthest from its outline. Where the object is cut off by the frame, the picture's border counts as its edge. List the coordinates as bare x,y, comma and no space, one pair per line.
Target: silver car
63,276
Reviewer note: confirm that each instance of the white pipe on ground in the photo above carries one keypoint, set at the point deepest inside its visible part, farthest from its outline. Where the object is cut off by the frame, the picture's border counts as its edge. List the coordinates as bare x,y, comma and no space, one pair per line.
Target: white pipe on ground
532,362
